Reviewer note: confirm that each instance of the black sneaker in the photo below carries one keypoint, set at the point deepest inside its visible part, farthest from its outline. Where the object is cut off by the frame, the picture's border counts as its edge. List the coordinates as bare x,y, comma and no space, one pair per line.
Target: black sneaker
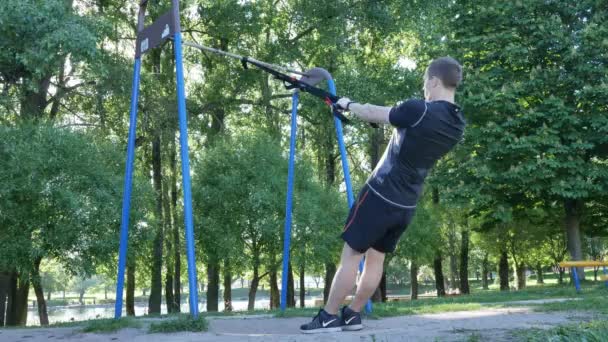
351,320
323,322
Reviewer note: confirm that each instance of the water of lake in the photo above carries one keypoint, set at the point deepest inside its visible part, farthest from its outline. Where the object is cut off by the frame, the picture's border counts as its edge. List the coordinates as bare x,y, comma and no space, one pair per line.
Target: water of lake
80,313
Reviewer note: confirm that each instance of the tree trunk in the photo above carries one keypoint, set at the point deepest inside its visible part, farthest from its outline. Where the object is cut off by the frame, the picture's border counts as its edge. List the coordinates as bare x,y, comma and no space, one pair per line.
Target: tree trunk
330,272
130,287
439,280
4,286
34,102
169,299
213,286
48,295
573,210
520,270
11,315
81,296
291,301
302,286
383,287
453,259
437,261
19,287
503,271
42,310
560,280
377,296
227,286
177,268
156,279
539,274
275,296
253,288
413,280
168,230
60,92
485,269
464,262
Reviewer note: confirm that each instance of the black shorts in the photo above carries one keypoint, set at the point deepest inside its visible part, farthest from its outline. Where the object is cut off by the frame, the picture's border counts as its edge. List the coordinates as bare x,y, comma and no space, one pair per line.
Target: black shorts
373,222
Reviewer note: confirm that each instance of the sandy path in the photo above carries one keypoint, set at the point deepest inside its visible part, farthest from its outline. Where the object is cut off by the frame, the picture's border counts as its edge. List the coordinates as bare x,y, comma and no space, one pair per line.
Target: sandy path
488,324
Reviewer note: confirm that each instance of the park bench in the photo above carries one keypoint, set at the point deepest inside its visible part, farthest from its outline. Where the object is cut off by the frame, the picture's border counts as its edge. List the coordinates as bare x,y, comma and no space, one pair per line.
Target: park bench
574,264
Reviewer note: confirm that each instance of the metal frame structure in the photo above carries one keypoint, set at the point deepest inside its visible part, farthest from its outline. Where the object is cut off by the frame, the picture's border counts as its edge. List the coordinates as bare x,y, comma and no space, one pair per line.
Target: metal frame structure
166,27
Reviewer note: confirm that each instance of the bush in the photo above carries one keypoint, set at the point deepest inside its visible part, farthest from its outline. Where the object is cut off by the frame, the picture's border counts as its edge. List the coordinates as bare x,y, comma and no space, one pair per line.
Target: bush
110,325
181,323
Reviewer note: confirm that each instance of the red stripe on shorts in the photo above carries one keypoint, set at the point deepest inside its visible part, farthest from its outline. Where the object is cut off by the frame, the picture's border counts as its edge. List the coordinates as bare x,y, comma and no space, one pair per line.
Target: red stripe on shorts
356,209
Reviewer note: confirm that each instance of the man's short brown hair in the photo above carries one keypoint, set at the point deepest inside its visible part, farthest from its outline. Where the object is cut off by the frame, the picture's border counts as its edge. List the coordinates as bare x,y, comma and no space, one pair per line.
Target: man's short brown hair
447,69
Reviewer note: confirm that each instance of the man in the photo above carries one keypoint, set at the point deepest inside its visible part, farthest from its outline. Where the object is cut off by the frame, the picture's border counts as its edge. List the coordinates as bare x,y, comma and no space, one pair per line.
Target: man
425,130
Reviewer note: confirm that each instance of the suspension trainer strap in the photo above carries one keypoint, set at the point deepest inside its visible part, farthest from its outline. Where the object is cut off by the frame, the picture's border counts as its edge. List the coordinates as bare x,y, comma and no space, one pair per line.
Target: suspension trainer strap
294,83
289,81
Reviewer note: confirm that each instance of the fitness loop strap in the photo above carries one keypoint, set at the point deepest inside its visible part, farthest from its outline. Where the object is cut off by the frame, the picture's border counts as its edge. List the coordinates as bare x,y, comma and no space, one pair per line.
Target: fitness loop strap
291,82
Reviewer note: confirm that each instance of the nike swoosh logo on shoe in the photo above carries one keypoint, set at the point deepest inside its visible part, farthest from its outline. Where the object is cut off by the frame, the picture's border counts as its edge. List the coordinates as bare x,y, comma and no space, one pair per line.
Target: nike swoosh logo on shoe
350,319
325,324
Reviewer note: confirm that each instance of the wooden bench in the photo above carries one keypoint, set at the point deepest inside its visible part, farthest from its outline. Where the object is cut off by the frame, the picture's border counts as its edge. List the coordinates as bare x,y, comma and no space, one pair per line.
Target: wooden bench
591,263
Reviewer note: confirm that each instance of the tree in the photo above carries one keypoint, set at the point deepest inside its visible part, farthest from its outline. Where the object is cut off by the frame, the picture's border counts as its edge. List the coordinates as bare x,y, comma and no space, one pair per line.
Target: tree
58,199
530,87
38,41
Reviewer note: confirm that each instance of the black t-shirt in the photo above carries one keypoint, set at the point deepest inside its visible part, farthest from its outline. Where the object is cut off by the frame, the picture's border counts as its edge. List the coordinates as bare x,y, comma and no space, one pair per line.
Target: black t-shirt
424,132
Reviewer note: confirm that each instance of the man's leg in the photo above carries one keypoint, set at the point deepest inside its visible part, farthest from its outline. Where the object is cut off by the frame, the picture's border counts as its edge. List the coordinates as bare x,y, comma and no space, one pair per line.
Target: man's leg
345,278
372,273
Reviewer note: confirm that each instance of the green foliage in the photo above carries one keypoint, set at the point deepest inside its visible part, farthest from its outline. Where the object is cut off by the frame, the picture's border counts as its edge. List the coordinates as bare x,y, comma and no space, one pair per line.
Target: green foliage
240,195
60,191
181,323
535,129
38,35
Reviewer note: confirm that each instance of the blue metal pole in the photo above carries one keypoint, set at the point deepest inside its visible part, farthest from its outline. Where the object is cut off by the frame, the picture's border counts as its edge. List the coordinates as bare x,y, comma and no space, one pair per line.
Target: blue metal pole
606,275
288,206
577,284
346,171
126,196
183,138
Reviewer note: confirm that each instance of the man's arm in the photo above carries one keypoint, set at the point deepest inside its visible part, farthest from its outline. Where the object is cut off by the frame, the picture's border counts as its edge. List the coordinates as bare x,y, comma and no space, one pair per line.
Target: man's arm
370,113
366,112
407,114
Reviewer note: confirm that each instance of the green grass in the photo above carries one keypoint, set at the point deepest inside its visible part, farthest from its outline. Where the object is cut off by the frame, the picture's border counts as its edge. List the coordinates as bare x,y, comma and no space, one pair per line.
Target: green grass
182,322
108,325
593,298
594,331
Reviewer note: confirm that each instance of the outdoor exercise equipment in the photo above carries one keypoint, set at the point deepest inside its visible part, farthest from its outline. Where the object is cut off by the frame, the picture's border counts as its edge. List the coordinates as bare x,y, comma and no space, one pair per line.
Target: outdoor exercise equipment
167,27
306,84
591,263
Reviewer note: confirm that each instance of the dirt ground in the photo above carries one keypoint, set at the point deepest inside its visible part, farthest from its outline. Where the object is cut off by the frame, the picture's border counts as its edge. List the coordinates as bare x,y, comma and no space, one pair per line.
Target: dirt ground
486,325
